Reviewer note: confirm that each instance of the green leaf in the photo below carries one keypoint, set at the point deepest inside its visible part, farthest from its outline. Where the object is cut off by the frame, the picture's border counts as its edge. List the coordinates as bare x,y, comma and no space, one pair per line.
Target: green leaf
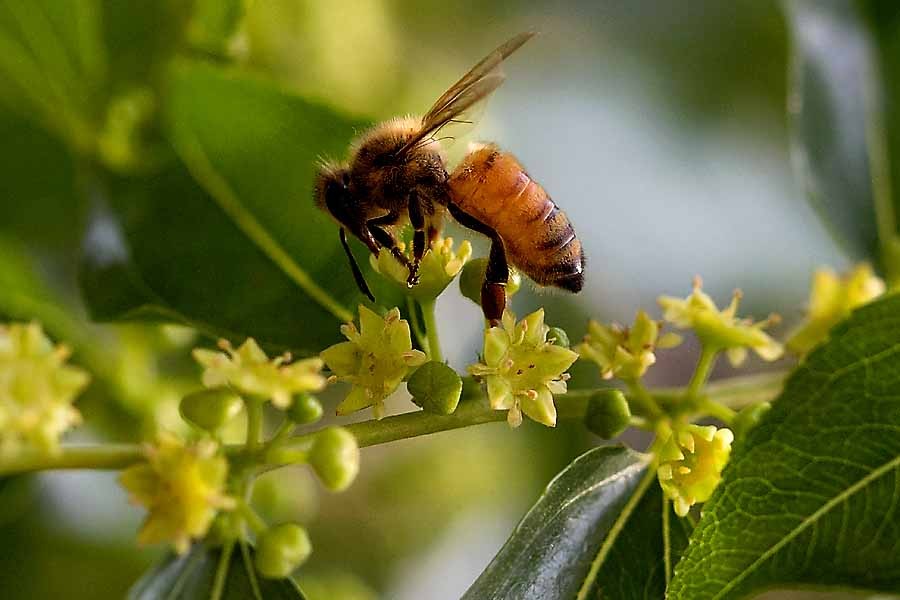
254,148
811,495
832,83
244,252
596,532
38,198
193,577
214,23
52,63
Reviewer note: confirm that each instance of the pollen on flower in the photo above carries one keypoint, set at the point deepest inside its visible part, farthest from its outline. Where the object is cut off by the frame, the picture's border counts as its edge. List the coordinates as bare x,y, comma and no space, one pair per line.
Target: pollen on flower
831,300
182,488
37,389
249,371
721,329
625,352
691,464
374,359
522,369
439,265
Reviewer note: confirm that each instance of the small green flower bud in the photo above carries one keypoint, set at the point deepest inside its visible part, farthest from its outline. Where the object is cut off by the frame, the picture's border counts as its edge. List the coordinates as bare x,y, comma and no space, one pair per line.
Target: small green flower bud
436,388
749,417
306,409
558,337
211,409
335,458
281,549
472,277
608,413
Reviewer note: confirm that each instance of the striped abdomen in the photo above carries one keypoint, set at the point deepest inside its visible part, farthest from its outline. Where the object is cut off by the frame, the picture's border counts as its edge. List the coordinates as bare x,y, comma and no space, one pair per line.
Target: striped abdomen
539,240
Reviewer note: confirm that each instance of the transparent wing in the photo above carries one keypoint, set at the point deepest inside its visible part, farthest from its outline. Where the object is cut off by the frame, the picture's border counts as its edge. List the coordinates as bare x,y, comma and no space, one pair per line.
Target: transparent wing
476,85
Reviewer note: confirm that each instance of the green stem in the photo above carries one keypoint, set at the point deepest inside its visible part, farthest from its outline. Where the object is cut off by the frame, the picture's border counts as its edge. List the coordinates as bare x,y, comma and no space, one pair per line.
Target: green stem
641,423
254,423
642,401
434,343
222,572
667,541
880,175
416,324
719,411
701,373
738,392
102,457
283,433
252,519
733,392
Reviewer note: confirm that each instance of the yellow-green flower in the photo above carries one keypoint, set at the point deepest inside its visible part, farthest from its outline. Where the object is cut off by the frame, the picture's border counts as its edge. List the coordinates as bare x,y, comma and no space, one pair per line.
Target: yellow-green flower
691,464
375,359
249,371
625,352
721,329
522,369
182,488
439,266
831,300
37,390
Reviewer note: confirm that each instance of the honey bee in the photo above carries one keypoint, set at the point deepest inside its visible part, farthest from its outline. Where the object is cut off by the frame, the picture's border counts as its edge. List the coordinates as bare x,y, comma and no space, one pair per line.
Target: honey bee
397,174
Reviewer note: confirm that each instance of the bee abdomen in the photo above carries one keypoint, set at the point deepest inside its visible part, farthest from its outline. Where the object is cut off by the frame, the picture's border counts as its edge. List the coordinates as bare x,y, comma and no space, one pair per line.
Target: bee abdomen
493,187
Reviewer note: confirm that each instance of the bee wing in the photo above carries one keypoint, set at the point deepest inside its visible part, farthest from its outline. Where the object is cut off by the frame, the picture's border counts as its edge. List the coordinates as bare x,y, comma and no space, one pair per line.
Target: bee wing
476,85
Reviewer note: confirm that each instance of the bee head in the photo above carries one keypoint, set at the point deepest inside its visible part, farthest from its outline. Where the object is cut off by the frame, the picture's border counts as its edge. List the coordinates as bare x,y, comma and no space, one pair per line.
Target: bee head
331,191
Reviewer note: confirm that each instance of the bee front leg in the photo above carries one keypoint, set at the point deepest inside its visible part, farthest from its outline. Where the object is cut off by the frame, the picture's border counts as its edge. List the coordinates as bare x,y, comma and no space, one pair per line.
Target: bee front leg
354,267
384,239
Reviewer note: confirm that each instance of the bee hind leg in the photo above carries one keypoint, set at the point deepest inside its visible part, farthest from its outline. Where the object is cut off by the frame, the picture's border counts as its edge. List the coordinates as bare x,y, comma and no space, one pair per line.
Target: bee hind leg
493,289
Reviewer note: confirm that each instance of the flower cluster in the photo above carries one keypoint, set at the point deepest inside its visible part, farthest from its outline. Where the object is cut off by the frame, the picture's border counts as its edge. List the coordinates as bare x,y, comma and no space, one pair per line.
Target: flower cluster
691,464
831,300
522,369
721,329
249,371
625,352
375,359
37,389
182,488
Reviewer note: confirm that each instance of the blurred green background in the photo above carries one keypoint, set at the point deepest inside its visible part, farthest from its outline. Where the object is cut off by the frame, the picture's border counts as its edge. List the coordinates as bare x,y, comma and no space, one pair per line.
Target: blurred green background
658,126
